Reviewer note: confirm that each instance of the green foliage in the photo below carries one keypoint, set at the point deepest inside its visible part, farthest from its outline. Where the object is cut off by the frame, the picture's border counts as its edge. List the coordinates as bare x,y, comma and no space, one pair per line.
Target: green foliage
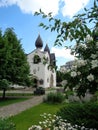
83,29
37,59
73,30
81,114
4,84
55,97
52,122
68,93
45,60
60,76
95,97
6,124
13,62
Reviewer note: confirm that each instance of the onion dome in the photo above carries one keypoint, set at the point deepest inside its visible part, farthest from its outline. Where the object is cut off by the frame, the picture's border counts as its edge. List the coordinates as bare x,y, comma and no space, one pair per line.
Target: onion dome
47,49
39,42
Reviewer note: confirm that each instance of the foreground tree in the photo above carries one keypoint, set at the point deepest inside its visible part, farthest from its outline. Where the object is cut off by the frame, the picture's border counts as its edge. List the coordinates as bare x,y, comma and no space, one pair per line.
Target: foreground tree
60,76
14,68
83,29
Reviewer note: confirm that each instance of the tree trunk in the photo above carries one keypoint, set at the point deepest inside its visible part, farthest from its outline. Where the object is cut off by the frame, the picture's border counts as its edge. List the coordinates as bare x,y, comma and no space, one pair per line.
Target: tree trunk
3,95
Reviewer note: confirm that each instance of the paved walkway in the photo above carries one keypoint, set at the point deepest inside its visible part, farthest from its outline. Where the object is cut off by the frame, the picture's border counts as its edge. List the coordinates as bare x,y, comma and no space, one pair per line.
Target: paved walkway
16,108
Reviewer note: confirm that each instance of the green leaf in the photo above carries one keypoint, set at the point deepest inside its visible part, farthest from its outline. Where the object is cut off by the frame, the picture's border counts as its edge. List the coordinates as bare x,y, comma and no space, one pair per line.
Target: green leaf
41,24
36,13
58,35
50,14
46,28
50,19
44,16
52,29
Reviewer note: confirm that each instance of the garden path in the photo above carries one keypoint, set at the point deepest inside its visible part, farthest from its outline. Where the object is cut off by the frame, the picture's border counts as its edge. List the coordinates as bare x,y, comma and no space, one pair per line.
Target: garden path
16,108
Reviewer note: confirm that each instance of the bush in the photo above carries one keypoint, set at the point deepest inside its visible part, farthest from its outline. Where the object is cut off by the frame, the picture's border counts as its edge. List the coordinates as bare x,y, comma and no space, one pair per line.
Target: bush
53,122
55,97
81,114
39,91
69,93
95,97
6,124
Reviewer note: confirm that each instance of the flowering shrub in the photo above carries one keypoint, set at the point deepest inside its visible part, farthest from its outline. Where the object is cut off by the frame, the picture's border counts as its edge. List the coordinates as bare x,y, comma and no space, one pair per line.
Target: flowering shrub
83,29
83,73
54,122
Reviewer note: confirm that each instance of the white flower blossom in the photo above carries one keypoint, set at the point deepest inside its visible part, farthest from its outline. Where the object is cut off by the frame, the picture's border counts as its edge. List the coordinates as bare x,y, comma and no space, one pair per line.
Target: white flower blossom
93,56
83,46
73,74
96,44
88,38
62,124
90,77
64,82
35,127
81,63
94,63
67,70
79,46
74,67
79,73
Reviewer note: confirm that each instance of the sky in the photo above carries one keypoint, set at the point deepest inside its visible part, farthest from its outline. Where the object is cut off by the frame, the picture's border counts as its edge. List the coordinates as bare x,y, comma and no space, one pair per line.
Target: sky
19,14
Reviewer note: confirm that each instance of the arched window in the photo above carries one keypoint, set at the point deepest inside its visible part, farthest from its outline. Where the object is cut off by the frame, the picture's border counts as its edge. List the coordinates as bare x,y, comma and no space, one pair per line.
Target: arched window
36,59
41,81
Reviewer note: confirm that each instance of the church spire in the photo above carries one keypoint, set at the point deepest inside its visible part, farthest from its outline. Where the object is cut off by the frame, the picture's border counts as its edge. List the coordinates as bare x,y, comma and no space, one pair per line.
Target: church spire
47,49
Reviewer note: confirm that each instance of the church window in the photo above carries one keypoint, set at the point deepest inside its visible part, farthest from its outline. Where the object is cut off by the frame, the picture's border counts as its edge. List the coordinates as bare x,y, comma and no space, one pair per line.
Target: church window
34,71
36,59
41,81
47,79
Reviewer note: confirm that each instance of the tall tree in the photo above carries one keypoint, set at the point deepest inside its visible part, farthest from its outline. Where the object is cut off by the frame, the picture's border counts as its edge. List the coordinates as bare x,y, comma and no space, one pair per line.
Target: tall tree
14,67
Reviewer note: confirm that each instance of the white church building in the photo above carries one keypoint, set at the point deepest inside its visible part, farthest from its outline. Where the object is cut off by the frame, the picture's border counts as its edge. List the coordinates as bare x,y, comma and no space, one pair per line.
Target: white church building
42,65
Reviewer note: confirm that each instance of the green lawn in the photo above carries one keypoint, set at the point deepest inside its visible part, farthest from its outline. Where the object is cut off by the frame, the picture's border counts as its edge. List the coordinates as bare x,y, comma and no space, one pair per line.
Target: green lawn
32,116
17,94
12,100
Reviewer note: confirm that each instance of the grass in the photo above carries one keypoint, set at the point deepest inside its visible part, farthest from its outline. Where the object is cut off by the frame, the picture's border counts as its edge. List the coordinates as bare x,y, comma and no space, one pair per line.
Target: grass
12,100
18,94
32,116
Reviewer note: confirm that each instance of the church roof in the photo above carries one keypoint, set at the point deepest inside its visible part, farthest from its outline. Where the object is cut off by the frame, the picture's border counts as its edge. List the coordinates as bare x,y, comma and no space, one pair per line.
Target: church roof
39,42
47,49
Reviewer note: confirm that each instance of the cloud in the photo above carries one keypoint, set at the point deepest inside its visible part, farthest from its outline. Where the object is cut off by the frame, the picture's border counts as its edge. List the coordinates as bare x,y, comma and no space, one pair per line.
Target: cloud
30,6
62,53
71,7
68,7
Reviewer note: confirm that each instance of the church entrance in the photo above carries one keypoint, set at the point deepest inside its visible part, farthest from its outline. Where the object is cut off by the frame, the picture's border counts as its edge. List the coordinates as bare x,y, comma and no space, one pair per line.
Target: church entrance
35,83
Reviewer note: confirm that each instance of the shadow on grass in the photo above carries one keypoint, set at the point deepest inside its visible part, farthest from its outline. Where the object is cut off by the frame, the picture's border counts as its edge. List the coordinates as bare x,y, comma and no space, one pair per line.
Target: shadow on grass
11,100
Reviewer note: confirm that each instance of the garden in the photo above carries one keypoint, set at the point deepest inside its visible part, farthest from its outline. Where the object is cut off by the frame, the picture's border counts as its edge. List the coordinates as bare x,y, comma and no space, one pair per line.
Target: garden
57,112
